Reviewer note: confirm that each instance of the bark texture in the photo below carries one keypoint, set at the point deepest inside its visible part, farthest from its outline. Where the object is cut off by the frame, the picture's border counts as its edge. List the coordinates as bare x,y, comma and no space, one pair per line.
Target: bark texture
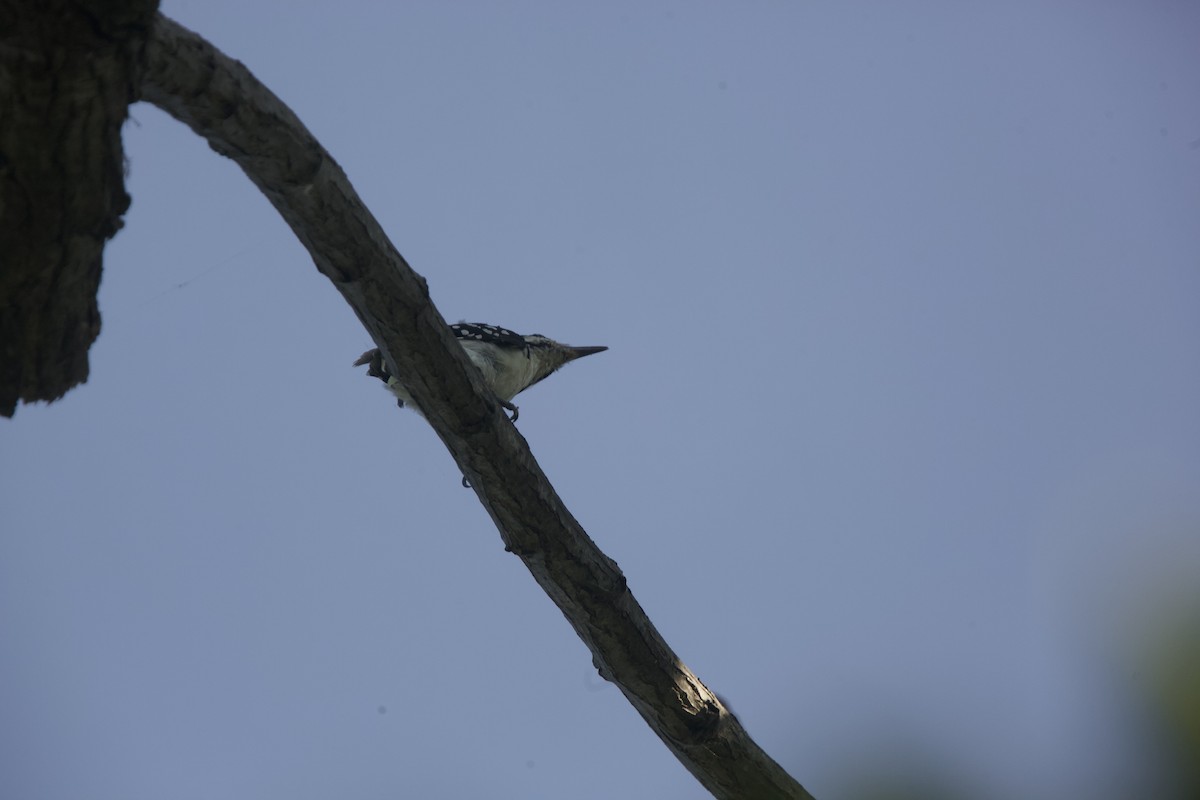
220,100
68,72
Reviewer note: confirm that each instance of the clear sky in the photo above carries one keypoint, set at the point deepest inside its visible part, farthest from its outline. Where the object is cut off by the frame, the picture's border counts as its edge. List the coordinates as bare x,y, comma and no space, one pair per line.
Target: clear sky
897,440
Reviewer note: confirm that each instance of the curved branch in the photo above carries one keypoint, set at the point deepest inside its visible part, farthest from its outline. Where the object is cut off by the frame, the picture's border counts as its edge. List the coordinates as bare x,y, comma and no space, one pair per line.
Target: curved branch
220,100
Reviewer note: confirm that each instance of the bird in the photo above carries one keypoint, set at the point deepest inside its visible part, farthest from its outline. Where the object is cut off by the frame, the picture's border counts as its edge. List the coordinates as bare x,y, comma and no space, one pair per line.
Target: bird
510,362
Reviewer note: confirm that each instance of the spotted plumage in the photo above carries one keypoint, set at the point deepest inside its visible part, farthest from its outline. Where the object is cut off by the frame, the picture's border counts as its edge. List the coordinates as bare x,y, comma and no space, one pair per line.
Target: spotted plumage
509,362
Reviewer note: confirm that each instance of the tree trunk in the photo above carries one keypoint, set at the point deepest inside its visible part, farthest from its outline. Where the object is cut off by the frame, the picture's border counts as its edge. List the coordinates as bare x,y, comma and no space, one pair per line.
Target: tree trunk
68,72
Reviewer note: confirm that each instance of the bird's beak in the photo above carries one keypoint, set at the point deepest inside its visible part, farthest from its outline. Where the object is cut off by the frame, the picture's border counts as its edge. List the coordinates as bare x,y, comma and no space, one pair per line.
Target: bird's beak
579,352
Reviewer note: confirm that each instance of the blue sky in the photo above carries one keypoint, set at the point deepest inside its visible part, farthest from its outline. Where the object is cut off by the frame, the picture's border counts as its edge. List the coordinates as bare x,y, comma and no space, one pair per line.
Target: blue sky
896,439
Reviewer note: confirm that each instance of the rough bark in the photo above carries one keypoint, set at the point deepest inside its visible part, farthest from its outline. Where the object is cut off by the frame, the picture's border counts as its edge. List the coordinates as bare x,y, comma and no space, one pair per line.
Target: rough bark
220,100
68,72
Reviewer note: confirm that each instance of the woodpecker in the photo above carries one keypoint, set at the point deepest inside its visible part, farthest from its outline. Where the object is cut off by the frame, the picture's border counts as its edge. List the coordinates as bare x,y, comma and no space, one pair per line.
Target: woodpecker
510,362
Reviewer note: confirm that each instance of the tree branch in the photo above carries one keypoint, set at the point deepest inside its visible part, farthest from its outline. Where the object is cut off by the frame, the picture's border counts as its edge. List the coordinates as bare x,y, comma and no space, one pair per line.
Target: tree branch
220,100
